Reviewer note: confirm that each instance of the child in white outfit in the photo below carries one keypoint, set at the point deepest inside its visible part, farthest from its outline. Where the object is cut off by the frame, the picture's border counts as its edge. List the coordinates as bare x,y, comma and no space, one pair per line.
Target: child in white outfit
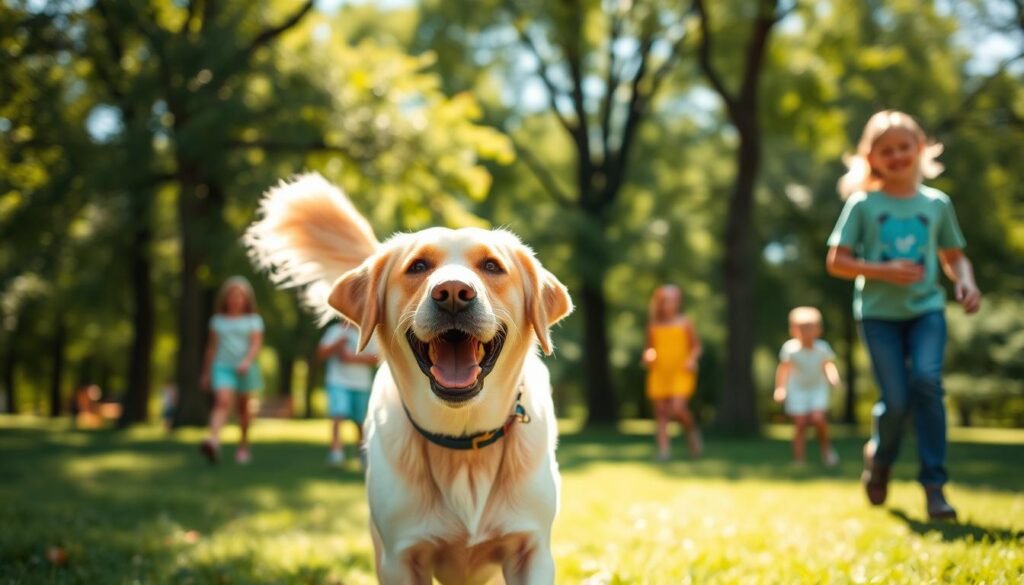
806,373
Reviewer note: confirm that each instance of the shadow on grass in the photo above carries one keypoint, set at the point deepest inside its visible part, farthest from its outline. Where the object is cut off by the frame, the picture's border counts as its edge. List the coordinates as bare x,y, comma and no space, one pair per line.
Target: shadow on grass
961,530
108,499
992,466
728,458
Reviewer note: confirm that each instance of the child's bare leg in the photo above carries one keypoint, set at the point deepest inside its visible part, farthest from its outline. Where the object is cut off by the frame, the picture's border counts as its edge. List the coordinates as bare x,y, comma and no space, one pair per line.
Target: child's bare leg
681,412
817,419
244,418
219,414
336,434
661,412
800,425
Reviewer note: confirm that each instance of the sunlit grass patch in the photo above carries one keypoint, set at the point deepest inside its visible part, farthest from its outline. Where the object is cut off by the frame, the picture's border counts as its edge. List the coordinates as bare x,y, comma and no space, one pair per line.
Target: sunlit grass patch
108,507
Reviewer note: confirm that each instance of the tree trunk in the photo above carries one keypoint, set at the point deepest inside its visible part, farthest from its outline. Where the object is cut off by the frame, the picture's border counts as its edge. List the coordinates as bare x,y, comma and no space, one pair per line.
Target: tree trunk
602,406
200,205
86,372
601,401
10,363
285,368
103,377
286,357
57,366
850,339
137,395
737,412
965,414
140,196
193,404
643,406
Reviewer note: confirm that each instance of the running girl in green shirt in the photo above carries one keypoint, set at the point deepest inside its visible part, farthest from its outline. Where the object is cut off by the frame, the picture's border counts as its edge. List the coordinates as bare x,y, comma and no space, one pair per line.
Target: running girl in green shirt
892,238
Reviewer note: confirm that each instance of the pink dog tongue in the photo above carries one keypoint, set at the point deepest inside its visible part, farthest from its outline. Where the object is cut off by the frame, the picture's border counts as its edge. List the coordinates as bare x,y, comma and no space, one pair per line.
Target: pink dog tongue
455,364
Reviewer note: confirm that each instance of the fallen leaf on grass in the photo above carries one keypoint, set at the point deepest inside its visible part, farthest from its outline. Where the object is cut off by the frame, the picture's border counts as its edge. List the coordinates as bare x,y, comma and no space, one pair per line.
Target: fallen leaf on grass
57,556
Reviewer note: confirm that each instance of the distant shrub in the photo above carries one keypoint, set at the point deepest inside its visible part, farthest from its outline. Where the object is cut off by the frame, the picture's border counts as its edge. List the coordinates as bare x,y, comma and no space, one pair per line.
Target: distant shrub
985,363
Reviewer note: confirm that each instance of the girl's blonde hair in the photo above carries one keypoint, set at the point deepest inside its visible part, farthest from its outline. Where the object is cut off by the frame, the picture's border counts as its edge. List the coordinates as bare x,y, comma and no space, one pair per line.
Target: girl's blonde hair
861,177
653,310
220,306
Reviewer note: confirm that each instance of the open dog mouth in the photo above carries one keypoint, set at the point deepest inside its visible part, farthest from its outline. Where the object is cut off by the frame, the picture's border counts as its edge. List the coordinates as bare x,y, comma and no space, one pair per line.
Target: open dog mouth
456,362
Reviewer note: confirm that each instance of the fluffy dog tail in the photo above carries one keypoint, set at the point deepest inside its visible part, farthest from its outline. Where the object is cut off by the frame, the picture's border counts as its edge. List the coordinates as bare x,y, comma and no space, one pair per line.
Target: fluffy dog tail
308,234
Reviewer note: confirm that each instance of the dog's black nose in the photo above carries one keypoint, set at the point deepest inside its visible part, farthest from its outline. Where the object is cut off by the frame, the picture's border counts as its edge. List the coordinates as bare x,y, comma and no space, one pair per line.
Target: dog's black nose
453,296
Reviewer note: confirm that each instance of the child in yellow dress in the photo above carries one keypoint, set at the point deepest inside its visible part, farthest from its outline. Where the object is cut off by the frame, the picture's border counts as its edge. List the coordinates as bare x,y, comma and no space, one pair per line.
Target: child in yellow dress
671,353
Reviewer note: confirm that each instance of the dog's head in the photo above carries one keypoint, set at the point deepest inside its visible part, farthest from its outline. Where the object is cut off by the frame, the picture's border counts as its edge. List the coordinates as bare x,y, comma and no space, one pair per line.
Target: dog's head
454,310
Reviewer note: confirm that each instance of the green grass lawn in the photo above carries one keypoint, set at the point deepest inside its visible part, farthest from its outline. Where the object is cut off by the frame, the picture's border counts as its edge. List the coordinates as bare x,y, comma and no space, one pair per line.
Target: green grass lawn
141,507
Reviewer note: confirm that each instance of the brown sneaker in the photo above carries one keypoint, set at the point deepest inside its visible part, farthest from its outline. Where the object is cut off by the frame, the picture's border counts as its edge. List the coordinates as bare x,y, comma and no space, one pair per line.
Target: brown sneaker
210,451
938,507
875,477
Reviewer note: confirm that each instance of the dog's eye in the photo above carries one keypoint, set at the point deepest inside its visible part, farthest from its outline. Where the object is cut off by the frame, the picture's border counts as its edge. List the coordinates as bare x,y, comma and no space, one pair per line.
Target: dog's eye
492,266
418,267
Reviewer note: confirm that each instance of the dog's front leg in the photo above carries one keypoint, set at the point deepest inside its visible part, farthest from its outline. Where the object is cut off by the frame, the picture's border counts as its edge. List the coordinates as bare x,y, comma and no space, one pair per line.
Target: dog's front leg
403,570
533,566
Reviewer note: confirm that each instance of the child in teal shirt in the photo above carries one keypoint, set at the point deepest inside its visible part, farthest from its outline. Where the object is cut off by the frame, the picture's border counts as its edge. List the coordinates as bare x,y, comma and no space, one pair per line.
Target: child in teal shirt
891,238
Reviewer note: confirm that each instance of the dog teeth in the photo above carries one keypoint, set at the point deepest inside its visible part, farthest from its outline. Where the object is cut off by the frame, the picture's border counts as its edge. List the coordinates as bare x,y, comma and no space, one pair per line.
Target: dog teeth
432,352
480,352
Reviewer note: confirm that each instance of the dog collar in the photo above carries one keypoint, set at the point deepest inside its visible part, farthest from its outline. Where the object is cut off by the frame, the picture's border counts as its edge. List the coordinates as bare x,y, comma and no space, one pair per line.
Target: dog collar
476,440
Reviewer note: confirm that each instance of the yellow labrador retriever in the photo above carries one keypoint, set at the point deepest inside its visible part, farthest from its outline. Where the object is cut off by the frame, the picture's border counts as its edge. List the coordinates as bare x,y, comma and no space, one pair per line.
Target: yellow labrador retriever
461,473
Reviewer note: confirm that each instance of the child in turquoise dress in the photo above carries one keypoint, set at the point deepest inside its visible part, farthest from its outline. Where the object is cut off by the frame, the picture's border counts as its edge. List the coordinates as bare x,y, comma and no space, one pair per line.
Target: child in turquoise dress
230,369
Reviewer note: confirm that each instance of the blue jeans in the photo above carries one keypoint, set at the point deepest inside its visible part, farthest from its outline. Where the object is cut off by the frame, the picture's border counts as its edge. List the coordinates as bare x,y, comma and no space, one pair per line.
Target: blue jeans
907,359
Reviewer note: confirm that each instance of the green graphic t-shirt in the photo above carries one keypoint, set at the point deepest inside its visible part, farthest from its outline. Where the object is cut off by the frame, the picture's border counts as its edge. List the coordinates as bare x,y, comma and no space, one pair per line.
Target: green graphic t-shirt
879,228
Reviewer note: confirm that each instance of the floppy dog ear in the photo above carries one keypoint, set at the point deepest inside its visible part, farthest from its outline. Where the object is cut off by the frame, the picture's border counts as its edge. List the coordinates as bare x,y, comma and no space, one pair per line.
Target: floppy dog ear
308,234
359,296
547,300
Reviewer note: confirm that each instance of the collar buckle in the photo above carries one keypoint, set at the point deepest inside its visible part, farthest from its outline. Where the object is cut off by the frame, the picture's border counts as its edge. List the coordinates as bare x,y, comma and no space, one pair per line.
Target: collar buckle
482,438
